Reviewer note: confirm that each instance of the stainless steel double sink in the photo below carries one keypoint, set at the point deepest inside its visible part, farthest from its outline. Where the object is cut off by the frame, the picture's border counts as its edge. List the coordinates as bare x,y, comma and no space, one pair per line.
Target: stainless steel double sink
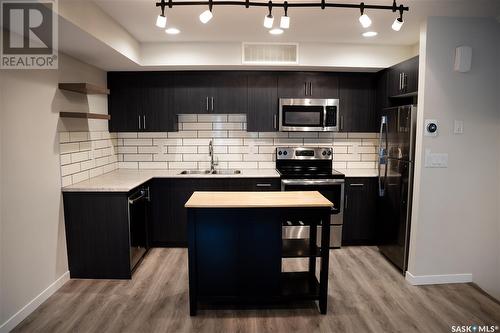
214,172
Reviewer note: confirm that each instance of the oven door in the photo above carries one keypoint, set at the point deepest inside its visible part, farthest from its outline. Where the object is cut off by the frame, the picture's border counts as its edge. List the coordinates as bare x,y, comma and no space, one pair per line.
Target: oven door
333,190
308,115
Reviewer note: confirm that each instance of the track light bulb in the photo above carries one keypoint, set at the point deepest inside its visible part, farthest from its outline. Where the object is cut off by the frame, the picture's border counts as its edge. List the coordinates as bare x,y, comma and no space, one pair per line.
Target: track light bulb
268,21
206,16
161,21
285,22
365,20
398,23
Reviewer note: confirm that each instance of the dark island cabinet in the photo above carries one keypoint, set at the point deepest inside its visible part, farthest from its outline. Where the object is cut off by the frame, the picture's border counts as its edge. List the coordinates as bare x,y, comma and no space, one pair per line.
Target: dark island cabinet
210,92
357,103
141,101
308,85
169,217
262,114
360,211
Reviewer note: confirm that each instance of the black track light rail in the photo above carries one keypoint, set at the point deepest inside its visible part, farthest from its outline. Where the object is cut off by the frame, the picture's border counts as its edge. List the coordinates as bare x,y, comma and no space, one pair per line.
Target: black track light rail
323,4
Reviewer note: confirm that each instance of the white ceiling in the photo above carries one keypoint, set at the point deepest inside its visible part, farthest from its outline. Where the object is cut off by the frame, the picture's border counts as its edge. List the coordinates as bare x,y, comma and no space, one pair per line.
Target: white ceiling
332,25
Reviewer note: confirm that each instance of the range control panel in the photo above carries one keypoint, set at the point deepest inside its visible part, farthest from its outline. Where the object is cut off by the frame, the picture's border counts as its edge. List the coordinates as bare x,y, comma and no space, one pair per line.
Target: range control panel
304,153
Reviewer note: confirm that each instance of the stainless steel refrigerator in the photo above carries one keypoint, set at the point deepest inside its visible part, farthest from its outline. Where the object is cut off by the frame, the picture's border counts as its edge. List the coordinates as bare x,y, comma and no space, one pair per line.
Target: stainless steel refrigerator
396,164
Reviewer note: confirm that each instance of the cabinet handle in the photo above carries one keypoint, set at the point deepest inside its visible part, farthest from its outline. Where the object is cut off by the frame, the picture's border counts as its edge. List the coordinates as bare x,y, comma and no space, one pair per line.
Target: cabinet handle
356,185
399,88
341,123
345,201
310,89
263,185
305,88
207,104
139,118
143,121
212,104
275,121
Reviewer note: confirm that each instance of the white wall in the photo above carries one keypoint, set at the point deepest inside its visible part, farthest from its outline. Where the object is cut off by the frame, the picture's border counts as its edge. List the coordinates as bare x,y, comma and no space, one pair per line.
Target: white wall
32,244
325,56
455,221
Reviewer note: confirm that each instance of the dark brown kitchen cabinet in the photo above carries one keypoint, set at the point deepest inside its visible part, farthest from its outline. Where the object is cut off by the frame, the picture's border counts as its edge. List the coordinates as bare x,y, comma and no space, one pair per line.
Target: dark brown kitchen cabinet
357,103
308,85
262,113
141,101
210,92
403,78
360,211
169,217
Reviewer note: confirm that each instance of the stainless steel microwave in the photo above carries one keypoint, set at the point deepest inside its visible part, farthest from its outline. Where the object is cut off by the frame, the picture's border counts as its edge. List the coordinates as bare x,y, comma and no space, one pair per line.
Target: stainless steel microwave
308,115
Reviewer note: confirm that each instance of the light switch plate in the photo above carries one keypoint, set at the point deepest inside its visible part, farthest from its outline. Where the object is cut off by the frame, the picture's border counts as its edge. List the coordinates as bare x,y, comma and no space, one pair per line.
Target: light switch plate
458,127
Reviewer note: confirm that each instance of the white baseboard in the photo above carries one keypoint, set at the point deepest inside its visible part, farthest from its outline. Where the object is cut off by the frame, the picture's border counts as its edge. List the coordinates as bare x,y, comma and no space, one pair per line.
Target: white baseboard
26,310
418,280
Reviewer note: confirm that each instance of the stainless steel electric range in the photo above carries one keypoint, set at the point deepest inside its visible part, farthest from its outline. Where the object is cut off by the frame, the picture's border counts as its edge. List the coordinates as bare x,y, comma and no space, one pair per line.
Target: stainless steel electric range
310,169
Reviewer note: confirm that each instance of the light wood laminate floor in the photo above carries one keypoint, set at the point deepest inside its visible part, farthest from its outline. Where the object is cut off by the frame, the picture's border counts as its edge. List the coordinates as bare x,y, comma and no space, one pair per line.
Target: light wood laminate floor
366,294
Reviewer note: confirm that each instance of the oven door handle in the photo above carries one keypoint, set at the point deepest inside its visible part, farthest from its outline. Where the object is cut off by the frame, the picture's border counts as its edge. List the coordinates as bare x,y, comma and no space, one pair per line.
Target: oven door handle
312,181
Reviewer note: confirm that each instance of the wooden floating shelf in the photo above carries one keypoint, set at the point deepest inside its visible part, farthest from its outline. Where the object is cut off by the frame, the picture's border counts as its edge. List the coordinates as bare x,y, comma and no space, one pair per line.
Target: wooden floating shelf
84,88
84,115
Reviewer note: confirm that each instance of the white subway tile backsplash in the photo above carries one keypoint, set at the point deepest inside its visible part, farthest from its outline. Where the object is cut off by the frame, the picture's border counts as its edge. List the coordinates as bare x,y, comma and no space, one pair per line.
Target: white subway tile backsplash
214,118
150,149
212,134
89,154
71,147
237,118
149,135
187,118
183,150
137,142
78,136
196,126
152,165
182,165
228,126
137,157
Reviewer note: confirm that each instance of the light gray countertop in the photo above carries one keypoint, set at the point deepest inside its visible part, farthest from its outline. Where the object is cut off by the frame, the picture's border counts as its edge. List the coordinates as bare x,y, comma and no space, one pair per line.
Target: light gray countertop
123,180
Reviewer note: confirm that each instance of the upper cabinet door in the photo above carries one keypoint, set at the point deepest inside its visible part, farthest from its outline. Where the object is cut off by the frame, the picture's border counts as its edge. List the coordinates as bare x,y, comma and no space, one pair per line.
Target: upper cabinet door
403,78
193,92
262,114
124,101
230,92
357,103
158,107
308,85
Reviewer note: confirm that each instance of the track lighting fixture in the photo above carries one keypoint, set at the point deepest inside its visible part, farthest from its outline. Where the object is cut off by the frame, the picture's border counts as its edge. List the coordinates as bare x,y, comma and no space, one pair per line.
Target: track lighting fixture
364,19
285,19
207,14
269,19
398,23
161,20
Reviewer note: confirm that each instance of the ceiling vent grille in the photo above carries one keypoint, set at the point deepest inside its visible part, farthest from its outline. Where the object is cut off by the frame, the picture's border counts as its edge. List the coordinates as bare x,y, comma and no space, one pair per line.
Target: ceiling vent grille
270,53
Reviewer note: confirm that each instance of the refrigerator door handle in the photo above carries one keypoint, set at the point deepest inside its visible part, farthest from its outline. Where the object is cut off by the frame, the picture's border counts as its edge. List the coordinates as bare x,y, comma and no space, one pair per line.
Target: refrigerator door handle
382,151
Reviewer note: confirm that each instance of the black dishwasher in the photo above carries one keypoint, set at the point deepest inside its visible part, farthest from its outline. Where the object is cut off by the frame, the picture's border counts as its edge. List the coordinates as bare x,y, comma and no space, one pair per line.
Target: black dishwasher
137,217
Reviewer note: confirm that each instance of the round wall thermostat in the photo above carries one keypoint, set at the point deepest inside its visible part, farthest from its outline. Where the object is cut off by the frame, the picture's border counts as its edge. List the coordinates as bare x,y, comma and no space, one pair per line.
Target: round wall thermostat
431,127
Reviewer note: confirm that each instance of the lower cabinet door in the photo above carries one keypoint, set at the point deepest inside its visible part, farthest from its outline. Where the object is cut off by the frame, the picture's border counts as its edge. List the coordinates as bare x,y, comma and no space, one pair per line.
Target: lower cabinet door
360,211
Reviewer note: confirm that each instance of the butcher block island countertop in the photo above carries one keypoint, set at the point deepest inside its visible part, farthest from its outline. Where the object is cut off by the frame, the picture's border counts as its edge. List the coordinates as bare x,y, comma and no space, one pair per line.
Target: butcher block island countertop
303,199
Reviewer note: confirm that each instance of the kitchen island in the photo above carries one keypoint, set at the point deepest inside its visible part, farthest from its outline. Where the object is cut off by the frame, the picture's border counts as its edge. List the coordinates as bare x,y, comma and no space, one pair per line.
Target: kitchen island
236,248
